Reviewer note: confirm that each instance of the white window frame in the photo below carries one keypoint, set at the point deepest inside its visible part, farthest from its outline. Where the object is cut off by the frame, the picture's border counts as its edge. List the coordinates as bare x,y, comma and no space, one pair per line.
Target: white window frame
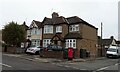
48,29
73,28
46,42
58,29
38,43
71,43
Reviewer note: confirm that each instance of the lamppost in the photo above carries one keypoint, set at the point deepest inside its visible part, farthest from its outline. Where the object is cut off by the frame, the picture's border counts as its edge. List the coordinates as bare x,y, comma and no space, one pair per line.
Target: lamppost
101,40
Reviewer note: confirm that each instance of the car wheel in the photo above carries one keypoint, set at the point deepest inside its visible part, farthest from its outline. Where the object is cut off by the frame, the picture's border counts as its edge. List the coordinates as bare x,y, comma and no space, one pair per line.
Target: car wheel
107,56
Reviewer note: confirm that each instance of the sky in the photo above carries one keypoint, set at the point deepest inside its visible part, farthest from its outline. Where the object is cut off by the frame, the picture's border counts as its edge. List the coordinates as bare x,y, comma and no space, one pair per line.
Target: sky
92,11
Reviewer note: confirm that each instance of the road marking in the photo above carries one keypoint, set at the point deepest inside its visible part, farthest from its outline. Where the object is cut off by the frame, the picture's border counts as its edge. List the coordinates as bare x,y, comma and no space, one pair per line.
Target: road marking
5,65
116,64
75,67
83,69
101,69
16,55
67,66
59,65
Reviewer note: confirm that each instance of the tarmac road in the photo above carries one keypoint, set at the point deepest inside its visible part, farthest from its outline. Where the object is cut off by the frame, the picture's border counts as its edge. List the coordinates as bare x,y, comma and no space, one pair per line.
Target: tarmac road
14,63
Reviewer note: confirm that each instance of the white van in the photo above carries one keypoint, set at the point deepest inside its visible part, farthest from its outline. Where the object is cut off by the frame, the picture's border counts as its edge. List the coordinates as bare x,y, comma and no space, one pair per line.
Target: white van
113,51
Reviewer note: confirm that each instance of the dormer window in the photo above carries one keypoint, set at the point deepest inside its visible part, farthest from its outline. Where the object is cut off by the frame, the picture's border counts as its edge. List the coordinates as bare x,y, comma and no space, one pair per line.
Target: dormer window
58,29
73,28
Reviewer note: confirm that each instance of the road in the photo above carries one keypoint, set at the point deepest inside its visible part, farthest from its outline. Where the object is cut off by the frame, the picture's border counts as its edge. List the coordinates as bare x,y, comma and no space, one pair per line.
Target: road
96,65
14,63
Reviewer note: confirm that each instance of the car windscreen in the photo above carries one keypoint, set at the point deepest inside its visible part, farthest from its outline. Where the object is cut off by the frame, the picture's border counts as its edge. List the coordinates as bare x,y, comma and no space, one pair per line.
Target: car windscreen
39,47
112,50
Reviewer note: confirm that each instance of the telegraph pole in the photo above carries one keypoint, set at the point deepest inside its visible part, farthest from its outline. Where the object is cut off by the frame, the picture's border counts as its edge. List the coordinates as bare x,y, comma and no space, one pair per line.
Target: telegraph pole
101,38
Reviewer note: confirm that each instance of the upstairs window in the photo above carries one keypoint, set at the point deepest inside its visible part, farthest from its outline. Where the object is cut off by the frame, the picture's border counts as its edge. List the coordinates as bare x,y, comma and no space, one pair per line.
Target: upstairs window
73,28
48,29
58,29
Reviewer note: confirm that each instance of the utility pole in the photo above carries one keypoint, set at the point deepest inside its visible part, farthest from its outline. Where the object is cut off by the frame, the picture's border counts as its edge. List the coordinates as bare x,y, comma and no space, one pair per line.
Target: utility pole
101,39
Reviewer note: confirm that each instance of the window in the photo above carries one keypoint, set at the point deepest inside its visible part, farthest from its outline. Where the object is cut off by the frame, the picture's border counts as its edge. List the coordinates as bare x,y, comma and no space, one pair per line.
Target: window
46,42
58,29
28,32
35,31
48,29
74,28
34,43
71,43
38,43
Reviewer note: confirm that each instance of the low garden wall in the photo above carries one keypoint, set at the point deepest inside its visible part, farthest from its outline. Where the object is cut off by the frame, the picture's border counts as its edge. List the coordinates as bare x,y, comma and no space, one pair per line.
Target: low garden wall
52,54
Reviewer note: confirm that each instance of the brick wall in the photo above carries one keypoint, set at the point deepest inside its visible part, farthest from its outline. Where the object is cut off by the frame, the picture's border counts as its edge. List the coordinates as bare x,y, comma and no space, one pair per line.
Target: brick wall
52,54
9,49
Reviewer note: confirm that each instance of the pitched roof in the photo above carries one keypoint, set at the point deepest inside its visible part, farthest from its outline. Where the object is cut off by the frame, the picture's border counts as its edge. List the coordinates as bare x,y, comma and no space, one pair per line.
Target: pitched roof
107,42
73,36
60,20
75,20
59,36
38,24
47,21
25,26
117,42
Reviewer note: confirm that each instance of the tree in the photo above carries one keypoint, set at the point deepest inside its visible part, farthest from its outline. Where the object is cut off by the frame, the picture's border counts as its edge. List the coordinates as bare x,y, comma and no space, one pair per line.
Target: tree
13,34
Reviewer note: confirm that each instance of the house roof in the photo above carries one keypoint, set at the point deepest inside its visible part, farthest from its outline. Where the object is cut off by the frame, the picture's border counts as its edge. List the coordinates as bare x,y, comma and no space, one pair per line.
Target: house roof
47,21
73,36
60,20
59,36
25,26
105,42
38,24
75,20
117,42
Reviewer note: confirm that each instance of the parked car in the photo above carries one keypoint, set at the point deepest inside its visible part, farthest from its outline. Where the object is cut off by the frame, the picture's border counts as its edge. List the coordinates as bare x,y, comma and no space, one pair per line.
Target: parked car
55,47
113,51
34,49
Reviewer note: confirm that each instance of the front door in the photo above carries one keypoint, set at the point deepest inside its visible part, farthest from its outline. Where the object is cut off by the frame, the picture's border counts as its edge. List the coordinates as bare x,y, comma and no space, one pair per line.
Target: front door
55,42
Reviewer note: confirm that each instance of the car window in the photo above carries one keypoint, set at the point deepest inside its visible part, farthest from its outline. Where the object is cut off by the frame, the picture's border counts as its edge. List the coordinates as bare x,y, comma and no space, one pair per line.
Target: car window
59,47
32,46
112,49
39,47
53,46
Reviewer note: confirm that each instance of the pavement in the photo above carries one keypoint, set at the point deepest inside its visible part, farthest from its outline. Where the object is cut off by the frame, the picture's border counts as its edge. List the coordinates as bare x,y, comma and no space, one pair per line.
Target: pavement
49,60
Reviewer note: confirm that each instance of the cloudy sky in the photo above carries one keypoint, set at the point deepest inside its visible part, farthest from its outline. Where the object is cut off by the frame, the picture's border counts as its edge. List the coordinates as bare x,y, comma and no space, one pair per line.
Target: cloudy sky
92,11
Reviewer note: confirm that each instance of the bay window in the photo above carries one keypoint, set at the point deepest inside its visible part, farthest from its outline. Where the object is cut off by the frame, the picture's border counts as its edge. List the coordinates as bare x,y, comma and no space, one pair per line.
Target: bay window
46,42
71,43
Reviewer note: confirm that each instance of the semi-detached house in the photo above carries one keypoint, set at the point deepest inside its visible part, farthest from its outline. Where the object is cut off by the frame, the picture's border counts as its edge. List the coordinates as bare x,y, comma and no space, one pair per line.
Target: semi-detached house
70,32
35,33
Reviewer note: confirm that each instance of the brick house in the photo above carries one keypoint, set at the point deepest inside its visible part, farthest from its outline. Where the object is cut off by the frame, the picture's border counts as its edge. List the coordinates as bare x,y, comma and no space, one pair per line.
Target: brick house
70,32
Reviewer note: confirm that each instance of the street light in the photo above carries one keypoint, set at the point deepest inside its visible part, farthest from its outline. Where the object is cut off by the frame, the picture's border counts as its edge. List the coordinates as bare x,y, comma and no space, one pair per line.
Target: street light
101,39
